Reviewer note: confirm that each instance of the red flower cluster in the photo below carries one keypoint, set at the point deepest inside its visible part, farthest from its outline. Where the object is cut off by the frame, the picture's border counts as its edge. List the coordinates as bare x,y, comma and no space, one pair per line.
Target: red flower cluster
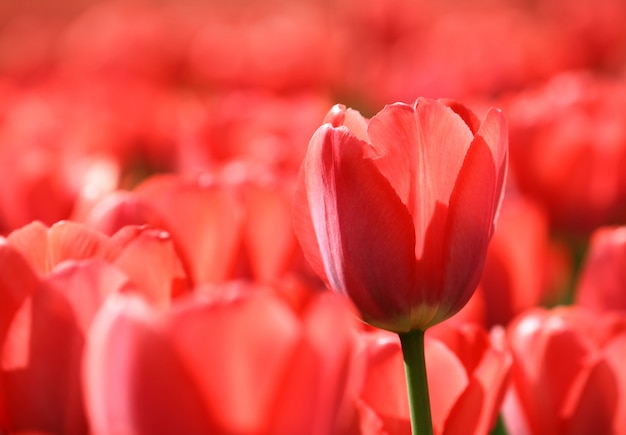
180,191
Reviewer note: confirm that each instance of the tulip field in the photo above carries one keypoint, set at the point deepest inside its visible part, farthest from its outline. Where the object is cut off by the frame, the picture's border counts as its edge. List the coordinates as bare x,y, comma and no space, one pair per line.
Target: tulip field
312,217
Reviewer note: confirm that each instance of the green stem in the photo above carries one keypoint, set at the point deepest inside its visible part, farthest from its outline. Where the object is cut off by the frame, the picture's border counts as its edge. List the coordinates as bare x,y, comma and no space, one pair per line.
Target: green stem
417,384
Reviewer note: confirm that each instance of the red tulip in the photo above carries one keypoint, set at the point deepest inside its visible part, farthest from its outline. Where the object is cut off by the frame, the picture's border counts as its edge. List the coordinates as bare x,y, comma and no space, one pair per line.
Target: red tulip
52,282
523,268
568,373
468,372
568,149
42,335
602,279
397,213
146,255
204,217
227,225
240,363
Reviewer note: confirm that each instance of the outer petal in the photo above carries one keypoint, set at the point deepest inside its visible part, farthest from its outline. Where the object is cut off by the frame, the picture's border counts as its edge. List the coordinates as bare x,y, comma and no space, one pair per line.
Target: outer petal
349,199
592,405
469,227
304,229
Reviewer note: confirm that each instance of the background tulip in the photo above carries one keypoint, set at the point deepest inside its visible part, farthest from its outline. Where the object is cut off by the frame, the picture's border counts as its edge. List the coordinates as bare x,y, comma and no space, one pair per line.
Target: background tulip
240,362
603,276
568,375
468,375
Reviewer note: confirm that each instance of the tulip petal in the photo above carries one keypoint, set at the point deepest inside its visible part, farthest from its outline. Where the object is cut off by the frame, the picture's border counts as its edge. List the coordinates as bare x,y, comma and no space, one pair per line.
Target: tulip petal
117,210
494,131
239,400
17,282
592,403
469,227
350,198
46,247
42,358
356,123
384,388
447,381
615,353
305,231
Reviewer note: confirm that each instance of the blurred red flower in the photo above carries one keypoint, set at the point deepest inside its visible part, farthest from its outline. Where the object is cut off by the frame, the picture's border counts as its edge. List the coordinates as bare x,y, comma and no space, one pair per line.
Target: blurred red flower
236,360
52,282
568,149
397,213
524,268
602,280
42,336
568,373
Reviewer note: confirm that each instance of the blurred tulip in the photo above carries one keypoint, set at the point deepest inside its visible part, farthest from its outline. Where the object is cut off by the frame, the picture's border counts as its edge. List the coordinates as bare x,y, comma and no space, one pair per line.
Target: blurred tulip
112,212
146,255
42,344
254,127
568,149
568,373
205,218
52,282
226,225
524,268
46,247
602,280
468,372
243,362
397,214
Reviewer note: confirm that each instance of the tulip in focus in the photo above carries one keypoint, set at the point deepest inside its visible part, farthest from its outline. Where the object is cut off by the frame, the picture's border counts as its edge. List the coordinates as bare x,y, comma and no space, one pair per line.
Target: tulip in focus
397,212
